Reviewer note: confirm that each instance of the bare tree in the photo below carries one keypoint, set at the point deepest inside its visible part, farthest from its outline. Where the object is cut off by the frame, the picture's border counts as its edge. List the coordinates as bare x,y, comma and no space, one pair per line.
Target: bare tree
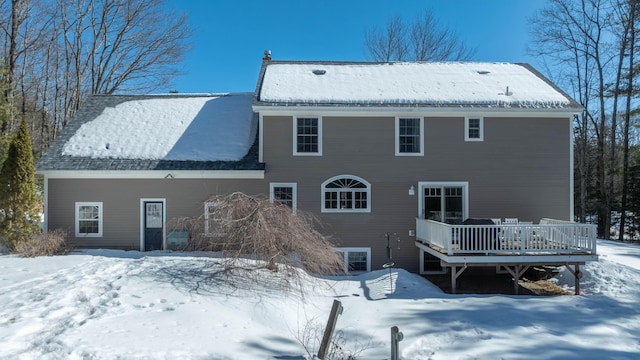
574,33
630,17
425,39
245,227
389,44
11,27
60,51
134,45
432,41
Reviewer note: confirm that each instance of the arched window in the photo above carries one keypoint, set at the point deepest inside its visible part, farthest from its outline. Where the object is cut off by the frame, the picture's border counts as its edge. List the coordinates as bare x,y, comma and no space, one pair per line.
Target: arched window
346,193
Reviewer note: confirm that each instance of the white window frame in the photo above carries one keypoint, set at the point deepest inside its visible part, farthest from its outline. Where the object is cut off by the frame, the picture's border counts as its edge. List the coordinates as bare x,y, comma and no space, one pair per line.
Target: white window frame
443,270
294,193
323,190
466,128
295,136
207,231
397,135
434,184
345,257
100,219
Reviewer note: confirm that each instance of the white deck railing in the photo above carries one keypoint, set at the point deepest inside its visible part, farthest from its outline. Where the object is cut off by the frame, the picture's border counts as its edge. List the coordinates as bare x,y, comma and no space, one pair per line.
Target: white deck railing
549,237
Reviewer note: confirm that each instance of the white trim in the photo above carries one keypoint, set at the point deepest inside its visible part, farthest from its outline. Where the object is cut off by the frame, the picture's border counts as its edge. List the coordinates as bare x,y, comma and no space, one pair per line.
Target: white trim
466,128
164,220
207,205
465,194
392,111
571,173
100,206
354,210
560,259
260,138
345,257
46,205
153,174
443,270
294,193
397,136
295,135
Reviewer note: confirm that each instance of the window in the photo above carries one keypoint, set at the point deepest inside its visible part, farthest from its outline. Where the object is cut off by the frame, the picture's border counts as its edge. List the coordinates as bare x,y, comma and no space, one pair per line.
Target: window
356,260
209,220
445,202
284,193
409,136
307,136
474,129
89,219
346,193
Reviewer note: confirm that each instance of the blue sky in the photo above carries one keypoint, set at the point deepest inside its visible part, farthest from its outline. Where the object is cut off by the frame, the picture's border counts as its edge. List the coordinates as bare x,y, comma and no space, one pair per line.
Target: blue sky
230,36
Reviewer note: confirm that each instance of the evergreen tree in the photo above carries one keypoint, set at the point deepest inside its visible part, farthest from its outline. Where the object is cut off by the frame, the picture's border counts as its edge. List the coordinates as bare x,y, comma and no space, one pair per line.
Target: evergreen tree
18,201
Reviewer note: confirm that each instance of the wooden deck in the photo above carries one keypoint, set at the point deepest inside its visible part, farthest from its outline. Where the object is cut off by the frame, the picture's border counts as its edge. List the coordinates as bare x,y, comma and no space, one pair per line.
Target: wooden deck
512,246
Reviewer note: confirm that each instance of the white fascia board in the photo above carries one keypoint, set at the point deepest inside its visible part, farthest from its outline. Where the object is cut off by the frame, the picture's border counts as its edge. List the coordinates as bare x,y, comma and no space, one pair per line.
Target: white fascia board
368,111
521,259
549,259
153,174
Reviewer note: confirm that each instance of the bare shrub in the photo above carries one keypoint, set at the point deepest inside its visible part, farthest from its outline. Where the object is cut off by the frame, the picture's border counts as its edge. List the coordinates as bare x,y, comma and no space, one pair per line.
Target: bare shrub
310,337
252,227
49,244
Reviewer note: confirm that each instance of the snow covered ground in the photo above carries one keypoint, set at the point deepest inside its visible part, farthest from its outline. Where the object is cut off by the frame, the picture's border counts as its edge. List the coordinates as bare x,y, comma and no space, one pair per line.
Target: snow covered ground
106,304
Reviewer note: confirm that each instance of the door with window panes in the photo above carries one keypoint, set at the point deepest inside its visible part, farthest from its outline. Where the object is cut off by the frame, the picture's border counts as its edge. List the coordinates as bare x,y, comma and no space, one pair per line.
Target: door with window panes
153,225
444,203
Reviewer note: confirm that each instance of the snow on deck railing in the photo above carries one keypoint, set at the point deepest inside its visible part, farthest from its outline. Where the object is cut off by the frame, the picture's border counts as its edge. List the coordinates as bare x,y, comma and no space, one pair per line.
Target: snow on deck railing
549,237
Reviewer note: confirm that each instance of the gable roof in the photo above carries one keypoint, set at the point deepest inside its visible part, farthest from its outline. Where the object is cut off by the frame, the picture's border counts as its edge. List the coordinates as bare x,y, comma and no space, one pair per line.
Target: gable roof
427,84
158,132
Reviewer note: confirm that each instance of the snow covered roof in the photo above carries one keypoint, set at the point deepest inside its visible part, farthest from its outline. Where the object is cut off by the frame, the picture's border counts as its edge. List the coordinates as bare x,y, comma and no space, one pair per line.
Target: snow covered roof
438,84
148,132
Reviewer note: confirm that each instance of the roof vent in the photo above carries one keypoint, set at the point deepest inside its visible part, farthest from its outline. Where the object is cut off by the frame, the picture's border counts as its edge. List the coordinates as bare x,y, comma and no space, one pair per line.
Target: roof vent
483,72
319,71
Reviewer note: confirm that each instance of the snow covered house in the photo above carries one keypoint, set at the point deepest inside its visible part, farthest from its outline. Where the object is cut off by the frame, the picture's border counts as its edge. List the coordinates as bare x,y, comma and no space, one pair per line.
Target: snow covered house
394,157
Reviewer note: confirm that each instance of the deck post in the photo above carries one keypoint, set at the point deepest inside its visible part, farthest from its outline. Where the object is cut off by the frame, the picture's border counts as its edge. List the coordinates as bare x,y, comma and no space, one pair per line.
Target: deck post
517,272
454,276
577,275
453,279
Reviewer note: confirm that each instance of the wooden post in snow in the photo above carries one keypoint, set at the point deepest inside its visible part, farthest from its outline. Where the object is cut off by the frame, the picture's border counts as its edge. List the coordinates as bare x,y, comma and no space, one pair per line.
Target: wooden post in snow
577,275
396,337
336,310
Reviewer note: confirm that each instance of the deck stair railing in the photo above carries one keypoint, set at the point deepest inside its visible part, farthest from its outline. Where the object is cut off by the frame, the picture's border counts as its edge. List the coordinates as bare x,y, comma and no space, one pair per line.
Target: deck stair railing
549,237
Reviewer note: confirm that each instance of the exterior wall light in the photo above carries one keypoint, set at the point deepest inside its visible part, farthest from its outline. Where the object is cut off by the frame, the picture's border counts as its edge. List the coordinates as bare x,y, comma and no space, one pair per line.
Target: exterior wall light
412,190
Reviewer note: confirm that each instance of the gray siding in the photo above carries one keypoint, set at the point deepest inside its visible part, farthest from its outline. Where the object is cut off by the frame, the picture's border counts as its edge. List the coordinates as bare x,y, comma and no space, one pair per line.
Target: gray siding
521,169
121,203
